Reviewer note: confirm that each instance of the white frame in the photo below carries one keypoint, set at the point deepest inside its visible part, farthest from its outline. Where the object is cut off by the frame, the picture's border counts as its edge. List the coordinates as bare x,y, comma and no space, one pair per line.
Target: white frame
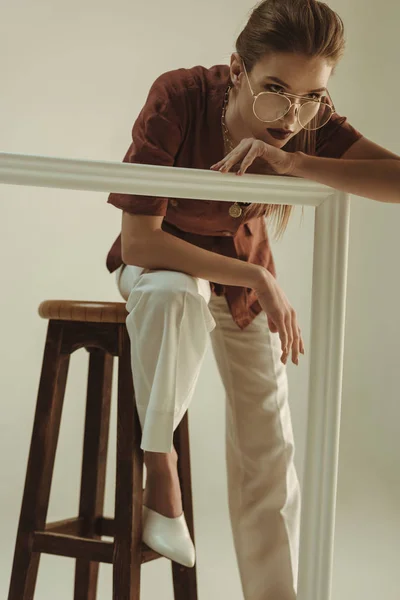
331,236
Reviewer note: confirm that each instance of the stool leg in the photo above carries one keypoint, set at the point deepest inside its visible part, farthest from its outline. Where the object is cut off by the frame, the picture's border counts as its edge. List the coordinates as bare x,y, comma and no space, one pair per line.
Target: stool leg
94,464
184,578
129,483
40,464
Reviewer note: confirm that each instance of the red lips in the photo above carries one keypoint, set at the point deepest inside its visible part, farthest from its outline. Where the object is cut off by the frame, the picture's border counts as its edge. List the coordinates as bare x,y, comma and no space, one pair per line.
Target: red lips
285,131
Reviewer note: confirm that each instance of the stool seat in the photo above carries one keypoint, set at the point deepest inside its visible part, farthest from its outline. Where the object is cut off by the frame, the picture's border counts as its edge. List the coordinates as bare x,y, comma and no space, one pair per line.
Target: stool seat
84,311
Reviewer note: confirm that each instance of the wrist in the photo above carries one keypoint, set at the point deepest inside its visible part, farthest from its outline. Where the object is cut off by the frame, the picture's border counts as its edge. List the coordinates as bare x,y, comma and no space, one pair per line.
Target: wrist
260,277
299,159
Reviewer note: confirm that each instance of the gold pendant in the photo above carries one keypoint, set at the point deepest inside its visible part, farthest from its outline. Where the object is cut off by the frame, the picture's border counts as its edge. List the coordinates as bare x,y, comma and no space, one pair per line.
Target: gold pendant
235,210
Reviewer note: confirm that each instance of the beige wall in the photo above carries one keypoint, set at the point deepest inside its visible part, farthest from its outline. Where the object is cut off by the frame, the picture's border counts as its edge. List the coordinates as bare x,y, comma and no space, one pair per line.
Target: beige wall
74,76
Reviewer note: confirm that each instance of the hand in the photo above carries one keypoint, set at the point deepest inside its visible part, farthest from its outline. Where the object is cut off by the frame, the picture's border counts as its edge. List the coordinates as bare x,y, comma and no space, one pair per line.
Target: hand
249,149
281,316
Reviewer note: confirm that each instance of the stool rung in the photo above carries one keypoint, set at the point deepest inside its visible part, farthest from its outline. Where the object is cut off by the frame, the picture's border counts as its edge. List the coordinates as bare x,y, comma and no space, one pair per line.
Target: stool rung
67,526
105,526
72,546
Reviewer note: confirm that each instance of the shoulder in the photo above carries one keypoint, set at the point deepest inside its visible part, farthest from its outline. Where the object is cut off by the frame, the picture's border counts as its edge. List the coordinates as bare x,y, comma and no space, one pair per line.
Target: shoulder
197,80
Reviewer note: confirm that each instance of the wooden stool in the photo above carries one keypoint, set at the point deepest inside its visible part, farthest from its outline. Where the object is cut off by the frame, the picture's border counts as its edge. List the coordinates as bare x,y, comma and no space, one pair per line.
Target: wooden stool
100,328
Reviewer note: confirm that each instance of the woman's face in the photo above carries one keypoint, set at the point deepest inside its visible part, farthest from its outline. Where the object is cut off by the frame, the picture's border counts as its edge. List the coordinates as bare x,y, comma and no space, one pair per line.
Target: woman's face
302,75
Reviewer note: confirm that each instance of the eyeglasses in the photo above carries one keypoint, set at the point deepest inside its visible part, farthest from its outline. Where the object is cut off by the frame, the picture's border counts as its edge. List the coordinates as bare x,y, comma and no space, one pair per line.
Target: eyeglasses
271,106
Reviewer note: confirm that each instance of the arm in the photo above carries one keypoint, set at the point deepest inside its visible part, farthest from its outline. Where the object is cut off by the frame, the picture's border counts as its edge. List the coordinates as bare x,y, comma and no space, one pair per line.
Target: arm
378,179
145,244
365,169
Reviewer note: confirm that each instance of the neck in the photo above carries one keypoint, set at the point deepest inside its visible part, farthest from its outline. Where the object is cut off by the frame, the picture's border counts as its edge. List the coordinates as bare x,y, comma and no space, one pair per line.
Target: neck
233,121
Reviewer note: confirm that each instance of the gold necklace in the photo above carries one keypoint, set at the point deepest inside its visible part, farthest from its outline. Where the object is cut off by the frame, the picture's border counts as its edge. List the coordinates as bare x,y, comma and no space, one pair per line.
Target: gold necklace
235,210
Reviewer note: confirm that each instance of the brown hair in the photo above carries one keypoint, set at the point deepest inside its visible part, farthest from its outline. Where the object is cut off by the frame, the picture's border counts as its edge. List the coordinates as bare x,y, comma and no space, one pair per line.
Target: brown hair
306,27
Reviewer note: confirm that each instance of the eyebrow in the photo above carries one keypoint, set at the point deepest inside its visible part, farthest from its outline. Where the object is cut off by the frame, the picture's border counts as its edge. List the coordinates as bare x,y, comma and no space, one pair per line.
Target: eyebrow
288,87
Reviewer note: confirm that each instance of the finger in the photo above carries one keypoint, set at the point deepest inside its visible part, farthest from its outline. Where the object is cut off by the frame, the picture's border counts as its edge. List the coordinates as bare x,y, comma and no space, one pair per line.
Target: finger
273,328
219,164
230,163
301,343
230,159
296,339
289,329
249,159
280,322
224,164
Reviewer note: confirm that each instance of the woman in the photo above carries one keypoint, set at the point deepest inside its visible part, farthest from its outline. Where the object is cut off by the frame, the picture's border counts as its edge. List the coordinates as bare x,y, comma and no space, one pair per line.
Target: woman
190,268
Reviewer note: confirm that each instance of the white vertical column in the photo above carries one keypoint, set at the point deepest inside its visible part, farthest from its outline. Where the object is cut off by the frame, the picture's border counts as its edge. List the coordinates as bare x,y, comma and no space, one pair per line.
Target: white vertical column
331,237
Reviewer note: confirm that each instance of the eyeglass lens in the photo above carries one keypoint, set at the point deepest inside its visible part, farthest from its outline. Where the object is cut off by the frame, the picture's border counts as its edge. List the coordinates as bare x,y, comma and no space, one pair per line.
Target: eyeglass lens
271,106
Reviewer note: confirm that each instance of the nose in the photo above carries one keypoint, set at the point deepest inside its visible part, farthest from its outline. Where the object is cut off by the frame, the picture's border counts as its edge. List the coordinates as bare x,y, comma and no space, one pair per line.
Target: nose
291,115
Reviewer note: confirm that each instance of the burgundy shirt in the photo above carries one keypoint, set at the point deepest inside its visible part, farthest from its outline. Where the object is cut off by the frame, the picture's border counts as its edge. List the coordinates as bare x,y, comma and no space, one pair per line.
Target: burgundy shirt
180,125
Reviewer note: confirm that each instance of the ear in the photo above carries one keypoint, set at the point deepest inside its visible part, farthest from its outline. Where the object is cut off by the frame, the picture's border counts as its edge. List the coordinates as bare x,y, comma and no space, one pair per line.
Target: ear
236,69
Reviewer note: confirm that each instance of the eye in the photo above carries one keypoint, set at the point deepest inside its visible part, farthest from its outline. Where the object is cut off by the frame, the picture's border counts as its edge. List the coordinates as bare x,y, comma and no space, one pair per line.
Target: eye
279,90
272,85
315,96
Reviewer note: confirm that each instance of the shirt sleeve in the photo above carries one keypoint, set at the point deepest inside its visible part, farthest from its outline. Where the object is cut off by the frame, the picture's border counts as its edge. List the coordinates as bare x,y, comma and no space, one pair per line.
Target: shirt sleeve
336,137
156,138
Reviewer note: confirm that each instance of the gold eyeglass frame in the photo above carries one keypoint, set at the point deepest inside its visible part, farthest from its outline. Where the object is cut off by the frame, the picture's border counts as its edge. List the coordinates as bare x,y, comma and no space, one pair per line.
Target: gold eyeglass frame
255,96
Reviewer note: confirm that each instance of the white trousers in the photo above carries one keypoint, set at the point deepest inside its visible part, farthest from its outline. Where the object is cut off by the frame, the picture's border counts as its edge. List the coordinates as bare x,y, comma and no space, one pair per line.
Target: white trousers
170,317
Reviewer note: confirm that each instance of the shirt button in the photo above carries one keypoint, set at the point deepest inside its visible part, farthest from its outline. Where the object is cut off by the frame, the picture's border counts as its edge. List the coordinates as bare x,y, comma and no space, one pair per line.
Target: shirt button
174,202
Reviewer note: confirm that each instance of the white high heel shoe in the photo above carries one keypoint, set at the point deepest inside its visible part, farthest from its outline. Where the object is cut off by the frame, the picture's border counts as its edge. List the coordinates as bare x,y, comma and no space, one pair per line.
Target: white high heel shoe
168,536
